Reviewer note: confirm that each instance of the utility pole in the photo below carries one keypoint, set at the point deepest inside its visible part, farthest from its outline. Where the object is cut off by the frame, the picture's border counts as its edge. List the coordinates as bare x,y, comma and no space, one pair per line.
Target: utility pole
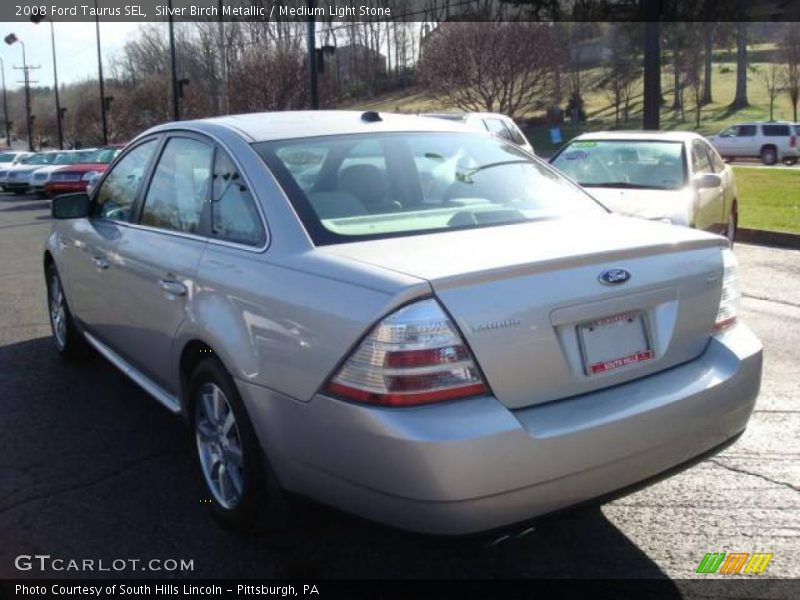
55,79
100,75
312,56
651,10
176,109
5,104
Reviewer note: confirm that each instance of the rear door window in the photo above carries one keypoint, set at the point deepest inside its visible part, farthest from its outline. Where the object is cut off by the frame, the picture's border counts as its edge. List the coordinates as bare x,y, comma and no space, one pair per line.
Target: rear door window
179,187
776,130
234,216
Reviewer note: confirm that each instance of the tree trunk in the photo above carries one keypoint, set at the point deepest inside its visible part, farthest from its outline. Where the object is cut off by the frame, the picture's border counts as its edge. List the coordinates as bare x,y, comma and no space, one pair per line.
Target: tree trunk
677,103
708,43
740,101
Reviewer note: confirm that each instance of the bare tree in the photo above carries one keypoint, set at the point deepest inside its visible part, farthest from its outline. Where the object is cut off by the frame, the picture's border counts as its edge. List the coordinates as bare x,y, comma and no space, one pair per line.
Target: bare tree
740,100
493,66
621,73
791,55
693,68
773,81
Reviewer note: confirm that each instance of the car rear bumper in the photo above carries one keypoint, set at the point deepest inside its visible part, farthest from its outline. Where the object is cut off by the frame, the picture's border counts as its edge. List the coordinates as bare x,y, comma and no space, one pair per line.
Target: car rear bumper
54,189
472,465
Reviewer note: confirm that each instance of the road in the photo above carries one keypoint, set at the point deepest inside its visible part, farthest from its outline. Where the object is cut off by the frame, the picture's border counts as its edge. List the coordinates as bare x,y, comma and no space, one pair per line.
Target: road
93,468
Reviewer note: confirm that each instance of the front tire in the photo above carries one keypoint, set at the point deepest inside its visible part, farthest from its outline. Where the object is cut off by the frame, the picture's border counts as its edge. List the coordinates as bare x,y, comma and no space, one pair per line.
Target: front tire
239,483
69,341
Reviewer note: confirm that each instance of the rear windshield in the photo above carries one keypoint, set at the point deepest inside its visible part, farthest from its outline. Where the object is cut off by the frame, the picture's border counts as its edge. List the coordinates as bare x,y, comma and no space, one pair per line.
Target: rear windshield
638,164
4,158
353,187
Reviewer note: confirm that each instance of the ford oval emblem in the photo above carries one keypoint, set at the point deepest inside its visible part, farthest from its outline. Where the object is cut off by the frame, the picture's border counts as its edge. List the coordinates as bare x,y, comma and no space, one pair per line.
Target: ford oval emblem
614,276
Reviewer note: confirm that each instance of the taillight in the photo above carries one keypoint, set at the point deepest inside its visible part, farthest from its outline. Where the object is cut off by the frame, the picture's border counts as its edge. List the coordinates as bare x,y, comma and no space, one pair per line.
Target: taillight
731,293
792,142
414,356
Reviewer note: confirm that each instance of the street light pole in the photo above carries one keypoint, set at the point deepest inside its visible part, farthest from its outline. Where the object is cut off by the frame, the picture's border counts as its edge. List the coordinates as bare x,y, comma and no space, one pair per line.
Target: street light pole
55,78
100,75
5,103
13,39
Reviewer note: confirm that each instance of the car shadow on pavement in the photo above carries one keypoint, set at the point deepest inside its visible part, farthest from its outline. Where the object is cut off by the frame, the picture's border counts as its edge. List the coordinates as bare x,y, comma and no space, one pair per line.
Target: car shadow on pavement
93,467
27,207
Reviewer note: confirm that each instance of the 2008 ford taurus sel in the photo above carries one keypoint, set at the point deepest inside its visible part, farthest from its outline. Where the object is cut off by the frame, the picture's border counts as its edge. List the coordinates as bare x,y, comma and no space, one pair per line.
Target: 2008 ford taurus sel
400,317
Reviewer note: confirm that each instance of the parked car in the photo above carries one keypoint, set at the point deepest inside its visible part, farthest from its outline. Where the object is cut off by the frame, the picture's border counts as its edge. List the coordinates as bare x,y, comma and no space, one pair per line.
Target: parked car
676,177
448,357
10,160
18,178
772,141
78,176
495,123
40,177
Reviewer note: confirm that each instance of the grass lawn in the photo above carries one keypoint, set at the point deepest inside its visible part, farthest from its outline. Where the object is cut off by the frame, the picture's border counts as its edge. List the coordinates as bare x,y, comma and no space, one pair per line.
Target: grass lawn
769,198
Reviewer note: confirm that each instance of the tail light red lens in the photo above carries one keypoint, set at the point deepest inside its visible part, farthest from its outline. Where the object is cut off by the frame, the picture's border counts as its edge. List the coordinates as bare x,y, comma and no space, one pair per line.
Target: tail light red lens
414,356
793,141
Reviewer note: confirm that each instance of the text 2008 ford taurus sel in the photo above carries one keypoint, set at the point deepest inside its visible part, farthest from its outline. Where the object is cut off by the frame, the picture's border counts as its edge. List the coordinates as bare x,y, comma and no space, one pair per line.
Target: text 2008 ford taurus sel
400,317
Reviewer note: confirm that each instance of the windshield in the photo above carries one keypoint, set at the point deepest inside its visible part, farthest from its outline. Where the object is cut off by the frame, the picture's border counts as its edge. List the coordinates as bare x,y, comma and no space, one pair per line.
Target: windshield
101,156
351,187
45,158
640,164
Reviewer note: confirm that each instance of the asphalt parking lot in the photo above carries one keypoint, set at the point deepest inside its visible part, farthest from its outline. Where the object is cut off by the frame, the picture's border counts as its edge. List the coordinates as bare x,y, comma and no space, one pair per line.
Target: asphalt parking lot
93,468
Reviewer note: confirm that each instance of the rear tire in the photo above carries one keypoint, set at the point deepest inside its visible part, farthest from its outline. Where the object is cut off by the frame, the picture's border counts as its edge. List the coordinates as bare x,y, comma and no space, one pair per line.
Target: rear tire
68,340
730,232
769,155
243,491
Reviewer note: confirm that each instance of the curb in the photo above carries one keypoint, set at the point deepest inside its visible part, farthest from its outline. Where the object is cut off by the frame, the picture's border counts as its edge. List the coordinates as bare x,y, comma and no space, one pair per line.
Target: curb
761,237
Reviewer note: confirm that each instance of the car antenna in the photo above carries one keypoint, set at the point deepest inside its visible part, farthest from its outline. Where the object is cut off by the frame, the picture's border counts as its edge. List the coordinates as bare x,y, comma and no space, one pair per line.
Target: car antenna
371,116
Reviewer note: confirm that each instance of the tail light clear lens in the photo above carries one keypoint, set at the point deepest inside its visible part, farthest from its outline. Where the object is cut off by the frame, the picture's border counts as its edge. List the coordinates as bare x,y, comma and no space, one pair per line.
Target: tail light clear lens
414,356
731,292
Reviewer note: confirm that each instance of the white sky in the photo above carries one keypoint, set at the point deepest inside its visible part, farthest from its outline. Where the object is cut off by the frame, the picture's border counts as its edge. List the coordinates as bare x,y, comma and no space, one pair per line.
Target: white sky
76,49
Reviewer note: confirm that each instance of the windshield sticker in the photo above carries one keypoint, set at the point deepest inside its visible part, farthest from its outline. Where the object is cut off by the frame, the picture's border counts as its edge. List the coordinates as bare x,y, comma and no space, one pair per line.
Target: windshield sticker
575,155
584,144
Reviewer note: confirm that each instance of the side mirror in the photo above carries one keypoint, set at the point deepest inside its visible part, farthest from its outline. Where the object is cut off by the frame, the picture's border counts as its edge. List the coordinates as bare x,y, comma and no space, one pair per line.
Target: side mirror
707,181
70,206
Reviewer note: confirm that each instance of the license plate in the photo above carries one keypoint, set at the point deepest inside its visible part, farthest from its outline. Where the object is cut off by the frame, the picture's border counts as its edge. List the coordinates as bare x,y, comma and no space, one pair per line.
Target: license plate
614,342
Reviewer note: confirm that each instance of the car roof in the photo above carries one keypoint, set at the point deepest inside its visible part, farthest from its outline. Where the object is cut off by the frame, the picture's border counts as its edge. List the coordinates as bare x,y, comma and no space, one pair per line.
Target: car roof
270,126
667,136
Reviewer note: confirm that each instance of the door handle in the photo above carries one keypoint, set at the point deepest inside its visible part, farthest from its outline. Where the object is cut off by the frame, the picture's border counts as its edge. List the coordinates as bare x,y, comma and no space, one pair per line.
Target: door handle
100,262
176,288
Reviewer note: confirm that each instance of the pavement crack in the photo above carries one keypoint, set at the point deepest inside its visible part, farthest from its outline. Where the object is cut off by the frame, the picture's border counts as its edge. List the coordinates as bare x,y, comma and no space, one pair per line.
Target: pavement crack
753,474
765,299
85,484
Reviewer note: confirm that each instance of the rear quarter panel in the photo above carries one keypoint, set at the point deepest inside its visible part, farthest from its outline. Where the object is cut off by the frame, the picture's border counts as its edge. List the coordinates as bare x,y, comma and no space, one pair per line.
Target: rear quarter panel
286,325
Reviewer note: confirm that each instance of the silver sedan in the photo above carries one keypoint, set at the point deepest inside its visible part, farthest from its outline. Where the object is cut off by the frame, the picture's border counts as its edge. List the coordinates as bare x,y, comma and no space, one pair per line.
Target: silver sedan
675,177
399,316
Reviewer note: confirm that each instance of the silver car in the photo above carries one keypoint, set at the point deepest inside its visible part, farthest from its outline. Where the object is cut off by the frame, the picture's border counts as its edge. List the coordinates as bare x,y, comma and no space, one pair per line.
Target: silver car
398,316
676,177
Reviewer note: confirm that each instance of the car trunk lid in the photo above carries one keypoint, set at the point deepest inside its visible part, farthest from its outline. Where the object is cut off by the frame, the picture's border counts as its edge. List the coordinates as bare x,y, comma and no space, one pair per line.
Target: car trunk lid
530,302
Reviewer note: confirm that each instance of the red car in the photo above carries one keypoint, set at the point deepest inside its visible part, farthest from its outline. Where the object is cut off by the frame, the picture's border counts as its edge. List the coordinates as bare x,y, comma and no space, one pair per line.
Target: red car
74,178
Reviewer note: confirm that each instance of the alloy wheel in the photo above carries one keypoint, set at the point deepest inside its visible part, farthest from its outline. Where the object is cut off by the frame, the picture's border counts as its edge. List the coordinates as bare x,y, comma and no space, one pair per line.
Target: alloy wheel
219,446
58,312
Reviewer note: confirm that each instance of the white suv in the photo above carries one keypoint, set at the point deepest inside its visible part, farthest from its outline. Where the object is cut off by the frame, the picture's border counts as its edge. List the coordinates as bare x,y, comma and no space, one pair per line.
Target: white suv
770,141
